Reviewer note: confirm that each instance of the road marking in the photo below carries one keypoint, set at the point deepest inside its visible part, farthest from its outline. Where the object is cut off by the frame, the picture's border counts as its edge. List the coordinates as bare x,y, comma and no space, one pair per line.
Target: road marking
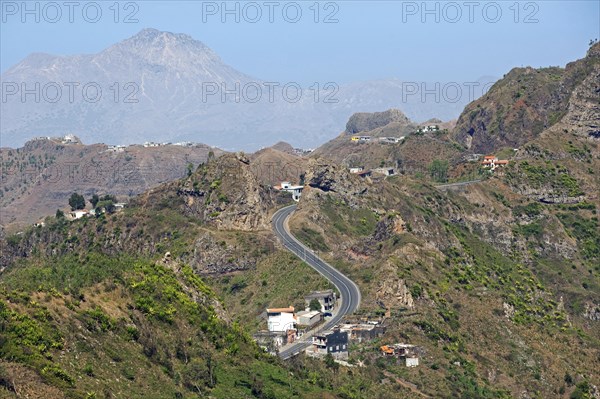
338,279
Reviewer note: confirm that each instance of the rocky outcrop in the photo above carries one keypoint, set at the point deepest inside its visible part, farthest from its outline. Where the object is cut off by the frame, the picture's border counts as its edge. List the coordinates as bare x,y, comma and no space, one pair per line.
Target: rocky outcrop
213,257
527,101
395,294
364,121
592,312
388,226
583,116
330,178
233,198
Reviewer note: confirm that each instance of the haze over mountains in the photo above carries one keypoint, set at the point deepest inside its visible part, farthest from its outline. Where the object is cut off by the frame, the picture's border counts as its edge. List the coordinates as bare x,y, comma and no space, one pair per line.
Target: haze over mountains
160,86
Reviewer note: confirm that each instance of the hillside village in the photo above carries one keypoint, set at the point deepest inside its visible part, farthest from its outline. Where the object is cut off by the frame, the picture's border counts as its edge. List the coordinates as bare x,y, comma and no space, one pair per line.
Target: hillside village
68,139
347,276
286,326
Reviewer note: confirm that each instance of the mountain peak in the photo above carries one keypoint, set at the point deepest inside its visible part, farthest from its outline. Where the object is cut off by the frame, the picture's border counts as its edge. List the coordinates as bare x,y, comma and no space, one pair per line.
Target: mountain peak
161,47
151,34
594,50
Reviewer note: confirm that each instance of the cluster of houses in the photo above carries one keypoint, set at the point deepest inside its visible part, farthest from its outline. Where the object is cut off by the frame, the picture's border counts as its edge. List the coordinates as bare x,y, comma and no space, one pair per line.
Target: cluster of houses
360,171
335,341
115,148
81,213
409,353
364,139
180,144
66,139
291,188
302,152
428,128
284,325
492,162
393,140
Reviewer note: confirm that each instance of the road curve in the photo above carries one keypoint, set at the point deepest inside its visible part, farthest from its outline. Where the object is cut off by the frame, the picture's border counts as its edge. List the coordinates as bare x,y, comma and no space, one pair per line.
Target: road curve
349,299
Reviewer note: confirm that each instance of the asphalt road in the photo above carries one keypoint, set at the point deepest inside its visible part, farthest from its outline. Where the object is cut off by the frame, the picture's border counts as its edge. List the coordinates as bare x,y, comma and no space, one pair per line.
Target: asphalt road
349,299
459,184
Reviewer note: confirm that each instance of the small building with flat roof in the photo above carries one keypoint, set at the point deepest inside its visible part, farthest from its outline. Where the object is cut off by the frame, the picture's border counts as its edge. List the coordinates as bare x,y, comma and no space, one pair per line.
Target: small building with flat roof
326,299
309,318
334,342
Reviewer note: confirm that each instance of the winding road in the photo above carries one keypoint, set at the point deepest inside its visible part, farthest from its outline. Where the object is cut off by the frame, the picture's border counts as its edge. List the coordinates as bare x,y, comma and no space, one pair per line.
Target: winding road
349,299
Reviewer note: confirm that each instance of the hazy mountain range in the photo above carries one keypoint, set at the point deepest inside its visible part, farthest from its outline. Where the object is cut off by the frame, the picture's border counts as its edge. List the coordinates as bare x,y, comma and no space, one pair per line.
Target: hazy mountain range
160,86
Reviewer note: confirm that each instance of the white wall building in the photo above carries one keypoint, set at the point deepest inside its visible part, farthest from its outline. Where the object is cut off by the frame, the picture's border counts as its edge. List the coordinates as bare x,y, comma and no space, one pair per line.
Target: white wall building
78,214
385,171
412,361
289,187
309,318
281,319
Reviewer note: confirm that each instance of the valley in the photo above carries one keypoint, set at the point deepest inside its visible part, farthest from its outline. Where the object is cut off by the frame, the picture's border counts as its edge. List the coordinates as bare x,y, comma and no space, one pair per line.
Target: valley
463,260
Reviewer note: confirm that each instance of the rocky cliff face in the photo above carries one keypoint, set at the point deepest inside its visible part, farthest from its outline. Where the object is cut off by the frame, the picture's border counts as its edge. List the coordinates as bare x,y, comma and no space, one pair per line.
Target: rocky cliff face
222,195
228,195
364,121
330,178
526,102
217,257
583,114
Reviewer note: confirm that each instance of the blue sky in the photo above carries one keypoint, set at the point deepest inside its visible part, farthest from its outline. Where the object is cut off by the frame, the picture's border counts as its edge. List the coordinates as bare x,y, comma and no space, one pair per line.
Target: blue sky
364,40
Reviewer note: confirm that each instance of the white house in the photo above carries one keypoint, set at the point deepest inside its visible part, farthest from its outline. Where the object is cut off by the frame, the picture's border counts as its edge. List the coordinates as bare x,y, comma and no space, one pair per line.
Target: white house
429,128
69,139
78,214
281,319
289,187
116,148
391,139
385,171
356,170
492,162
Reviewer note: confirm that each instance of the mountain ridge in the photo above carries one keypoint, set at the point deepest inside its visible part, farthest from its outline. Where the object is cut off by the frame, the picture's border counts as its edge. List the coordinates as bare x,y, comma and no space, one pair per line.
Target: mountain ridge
160,86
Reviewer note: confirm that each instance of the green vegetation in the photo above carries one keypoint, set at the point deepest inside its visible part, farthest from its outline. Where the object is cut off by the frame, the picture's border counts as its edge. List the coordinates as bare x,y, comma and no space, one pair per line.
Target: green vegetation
155,317
248,294
531,210
479,264
312,238
546,175
315,305
106,203
94,200
76,201
349,221
586,231
438,170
